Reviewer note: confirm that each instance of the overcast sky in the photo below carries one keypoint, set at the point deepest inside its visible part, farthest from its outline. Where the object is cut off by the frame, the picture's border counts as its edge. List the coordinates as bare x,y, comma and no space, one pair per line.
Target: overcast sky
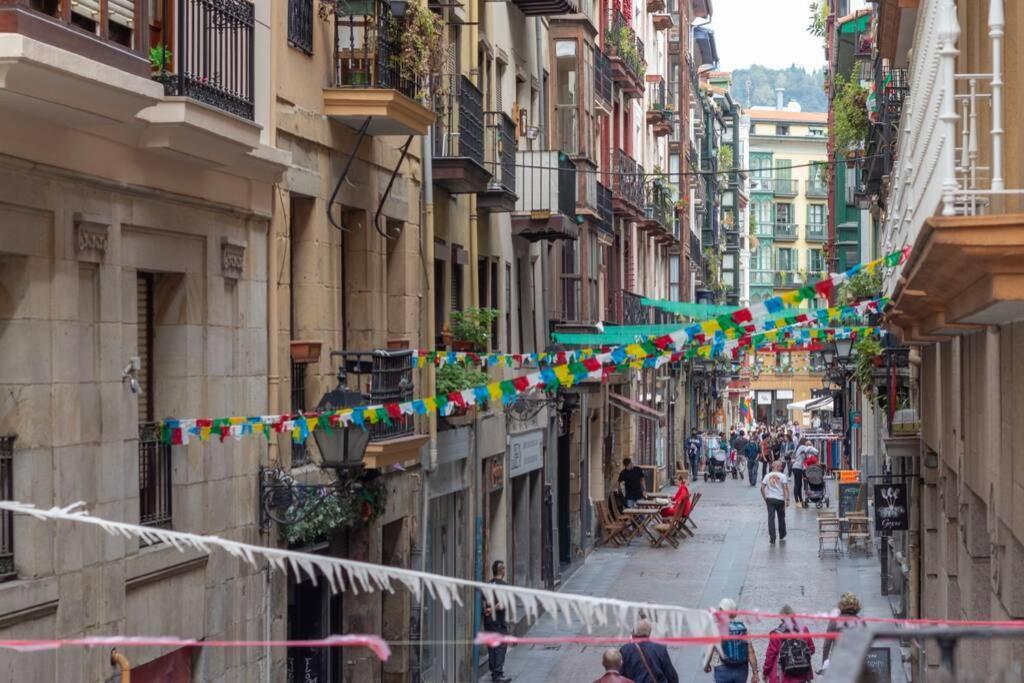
768,32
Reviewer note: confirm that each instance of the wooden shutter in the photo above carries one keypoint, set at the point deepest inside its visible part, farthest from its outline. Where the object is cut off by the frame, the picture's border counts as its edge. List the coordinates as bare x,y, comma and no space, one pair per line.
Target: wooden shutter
145,332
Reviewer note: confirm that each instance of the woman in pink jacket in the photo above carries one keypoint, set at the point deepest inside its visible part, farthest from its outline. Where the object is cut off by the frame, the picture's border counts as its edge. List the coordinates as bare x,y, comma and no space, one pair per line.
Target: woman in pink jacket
788,660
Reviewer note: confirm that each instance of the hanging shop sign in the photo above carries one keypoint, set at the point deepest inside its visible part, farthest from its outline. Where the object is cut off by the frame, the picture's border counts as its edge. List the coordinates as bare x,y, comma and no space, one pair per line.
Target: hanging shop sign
526,452
891,513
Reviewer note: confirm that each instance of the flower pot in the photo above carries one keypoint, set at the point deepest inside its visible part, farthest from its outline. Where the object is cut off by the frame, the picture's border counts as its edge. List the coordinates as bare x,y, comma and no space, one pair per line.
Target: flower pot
468,346
306,351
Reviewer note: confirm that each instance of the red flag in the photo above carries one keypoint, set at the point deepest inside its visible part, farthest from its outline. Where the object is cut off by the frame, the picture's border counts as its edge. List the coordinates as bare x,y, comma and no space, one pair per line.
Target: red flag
393,410
824,287
591,364
742,316
521,383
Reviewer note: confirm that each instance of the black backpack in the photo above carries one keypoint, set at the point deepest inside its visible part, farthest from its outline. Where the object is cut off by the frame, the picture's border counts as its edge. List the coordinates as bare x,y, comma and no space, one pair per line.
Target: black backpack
794,657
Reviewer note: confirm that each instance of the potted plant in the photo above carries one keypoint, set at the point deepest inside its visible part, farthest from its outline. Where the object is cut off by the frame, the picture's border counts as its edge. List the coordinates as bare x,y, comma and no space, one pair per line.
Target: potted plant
420,36
456,377
471,328
850,116
354,503
306,350
160,61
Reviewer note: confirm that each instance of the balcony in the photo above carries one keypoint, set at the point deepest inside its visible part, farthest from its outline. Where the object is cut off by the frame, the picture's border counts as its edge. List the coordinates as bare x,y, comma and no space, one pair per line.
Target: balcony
602,82
762,278
604,209
546,206
547,8
816,232
762,184
696,257
656,112
459,137
384,376
367,83
817,189
628,187
662,22
500,160
785,231
788,279
626,54
787,187
633,310
658,207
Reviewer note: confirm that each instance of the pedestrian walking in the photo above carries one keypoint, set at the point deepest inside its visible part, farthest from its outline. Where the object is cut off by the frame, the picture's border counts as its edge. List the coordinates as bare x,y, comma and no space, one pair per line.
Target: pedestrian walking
849,606
765,456
775,491
644,661
788,660
632,481
611,660
751,453
495,621
739,450
737,660
799,463
693,453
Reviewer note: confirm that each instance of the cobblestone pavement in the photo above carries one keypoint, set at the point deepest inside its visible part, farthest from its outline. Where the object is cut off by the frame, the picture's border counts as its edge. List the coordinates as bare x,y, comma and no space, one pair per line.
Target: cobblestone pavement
730,556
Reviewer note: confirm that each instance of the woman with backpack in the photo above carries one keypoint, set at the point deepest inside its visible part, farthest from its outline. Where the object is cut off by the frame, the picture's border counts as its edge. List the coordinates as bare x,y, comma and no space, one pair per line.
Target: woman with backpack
737,660
788,660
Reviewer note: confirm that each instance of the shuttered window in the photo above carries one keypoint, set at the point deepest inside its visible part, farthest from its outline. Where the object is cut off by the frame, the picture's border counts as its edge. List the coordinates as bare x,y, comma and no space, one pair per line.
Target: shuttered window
144,293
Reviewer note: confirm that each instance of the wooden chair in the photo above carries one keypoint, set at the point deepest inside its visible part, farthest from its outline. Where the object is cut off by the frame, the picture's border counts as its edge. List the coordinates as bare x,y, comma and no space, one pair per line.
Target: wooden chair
858,534
614,529
669,529
694,499
829,534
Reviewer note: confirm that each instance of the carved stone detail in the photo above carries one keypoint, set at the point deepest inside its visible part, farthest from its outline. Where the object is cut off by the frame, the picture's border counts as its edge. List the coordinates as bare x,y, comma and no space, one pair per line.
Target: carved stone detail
232,258
91,235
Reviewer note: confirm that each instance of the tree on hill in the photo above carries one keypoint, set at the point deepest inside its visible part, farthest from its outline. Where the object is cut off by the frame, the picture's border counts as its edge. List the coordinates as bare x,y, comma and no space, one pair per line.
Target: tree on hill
756,86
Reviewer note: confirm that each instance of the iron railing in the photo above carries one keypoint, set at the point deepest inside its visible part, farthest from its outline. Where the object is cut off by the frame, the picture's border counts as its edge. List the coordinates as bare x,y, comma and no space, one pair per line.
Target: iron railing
154,477
545,182
501,149
628,181
602,76
762,277
300,25
213,57
696,257
816,188
656,96
7,570
787,278
381,376
300,451
366,45
658,206
785,231
604,208
816,232
633,310
786,186
628,47
459,129
762,184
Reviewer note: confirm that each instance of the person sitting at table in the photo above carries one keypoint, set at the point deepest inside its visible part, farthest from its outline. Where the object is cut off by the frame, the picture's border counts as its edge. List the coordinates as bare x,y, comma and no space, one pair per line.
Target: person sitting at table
682,497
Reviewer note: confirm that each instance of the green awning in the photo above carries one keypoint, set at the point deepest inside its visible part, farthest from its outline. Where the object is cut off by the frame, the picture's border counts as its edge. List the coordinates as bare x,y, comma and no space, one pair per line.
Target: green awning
690,310
858,24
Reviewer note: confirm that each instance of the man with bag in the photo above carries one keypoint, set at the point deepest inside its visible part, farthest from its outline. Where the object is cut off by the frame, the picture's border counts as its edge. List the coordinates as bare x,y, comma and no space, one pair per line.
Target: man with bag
645,661
737,659
788,660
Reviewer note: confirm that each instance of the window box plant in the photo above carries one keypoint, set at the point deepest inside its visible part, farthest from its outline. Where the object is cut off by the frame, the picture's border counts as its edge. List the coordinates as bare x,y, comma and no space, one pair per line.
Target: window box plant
457,377
471,328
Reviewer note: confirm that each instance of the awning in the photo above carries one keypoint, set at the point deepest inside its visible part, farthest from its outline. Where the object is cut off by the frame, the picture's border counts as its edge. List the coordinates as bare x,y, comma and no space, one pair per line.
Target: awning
824,403
802,405
635,407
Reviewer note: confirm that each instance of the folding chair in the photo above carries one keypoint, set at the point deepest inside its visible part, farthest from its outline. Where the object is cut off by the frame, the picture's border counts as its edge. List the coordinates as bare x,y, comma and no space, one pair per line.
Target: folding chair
613,528
694,499
829,533
669,529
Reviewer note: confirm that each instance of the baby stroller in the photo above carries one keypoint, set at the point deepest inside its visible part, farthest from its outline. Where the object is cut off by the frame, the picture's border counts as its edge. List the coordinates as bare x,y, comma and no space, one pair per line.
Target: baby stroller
814,486
716,466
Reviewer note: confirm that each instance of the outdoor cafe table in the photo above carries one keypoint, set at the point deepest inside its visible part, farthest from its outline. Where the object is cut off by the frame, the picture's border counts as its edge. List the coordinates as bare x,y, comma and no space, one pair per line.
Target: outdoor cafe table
653,503
642,518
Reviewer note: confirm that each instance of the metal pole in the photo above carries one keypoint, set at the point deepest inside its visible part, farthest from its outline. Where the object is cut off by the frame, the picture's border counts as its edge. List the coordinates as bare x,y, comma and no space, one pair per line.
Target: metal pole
995,32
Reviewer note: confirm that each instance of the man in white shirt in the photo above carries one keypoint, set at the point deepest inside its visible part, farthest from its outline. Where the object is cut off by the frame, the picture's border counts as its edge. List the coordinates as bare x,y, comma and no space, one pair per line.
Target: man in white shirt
775,491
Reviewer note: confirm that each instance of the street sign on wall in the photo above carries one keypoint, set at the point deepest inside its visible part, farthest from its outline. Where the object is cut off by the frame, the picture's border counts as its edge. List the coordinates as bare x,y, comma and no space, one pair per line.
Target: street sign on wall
526,452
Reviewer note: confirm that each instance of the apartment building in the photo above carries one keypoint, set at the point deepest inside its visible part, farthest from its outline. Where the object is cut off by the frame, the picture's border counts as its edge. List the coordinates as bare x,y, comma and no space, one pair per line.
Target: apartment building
953,198
137,166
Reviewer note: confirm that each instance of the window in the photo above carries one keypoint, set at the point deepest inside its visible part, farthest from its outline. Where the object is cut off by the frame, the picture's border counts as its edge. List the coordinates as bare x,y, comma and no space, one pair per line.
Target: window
458,278
508,307
570,280
300,453
673,279
781,130
782,360
816,214
7,517
783,214
816,132
154,455
439,299
300,25
567,96
815,263
785,260
851,185
593,270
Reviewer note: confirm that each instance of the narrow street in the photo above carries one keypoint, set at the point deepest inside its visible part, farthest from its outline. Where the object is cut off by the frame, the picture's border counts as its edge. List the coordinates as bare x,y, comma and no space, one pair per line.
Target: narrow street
730,556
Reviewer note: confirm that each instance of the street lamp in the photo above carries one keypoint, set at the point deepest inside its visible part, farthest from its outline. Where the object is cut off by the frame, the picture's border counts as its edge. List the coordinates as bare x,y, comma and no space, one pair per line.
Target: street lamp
341,449
828,354
843,350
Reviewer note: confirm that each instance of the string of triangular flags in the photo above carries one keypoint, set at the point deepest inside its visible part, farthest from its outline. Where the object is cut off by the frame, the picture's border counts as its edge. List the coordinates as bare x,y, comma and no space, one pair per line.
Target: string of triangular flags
712,334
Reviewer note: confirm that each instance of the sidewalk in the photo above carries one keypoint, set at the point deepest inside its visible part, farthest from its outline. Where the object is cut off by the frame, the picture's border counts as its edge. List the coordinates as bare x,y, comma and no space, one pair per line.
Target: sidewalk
729,557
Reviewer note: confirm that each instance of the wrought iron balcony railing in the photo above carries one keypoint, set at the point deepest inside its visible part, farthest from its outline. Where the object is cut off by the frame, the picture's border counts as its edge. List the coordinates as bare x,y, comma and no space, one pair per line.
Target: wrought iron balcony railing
628,181
154,477
367,47
381,376
785,231
816,188
212,59
622,42
658,205
604,208
785,186
696,257
787,278
816,232
602,76
656,96
762,184
764,278
501,150
632,309
459,129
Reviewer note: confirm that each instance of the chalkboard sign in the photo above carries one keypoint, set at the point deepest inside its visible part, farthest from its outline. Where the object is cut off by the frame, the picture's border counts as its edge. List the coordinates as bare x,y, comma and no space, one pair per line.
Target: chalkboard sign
851,497
891,507
878,665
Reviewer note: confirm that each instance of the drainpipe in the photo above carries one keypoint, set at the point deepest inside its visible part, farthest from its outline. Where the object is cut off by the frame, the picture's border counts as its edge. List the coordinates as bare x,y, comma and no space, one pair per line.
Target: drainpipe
123,665
430,463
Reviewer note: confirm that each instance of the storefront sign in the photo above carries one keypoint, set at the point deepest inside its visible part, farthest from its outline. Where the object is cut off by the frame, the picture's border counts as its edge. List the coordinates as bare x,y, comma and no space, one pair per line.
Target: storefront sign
526,452
497,472
891,507
764,398
781,394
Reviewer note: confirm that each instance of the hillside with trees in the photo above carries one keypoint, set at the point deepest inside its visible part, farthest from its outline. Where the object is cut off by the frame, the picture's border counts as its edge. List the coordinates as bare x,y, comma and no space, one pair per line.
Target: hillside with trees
756,86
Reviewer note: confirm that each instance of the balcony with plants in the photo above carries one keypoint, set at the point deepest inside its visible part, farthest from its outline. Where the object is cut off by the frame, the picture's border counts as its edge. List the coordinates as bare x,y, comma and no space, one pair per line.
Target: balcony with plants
788,279
459,136
659,113
626,53
658,206
628,196
381,77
